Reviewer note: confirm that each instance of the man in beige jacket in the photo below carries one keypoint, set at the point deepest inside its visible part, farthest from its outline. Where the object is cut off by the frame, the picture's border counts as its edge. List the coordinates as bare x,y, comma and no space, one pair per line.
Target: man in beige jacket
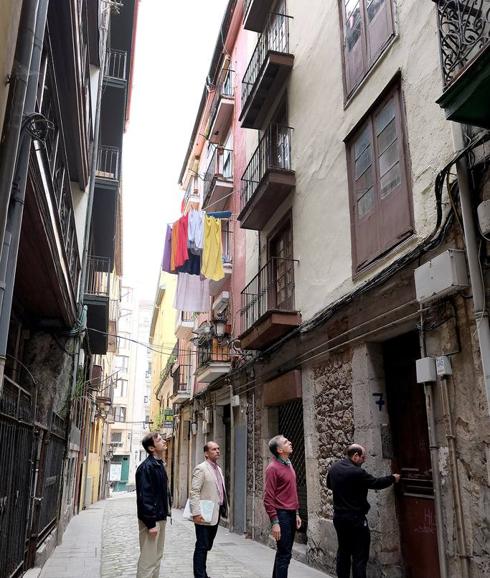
207,484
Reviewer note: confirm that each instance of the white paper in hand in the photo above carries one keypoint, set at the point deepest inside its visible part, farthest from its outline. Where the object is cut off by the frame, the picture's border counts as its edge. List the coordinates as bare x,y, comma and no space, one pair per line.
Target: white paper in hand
207,509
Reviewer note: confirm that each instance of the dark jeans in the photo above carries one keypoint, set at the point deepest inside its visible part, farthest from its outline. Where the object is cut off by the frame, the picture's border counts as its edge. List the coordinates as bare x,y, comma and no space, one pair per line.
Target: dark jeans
354,540
205,536
287,523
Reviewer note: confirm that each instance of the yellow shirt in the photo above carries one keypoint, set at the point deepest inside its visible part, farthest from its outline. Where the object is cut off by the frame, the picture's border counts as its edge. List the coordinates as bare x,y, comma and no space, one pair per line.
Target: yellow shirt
212,254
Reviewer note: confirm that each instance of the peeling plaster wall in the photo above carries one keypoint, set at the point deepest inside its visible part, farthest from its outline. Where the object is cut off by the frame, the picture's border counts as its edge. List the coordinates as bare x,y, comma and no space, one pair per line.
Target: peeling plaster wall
321,200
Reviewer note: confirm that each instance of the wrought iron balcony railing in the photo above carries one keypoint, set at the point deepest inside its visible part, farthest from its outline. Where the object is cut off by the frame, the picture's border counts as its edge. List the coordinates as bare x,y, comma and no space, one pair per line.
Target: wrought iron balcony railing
108,163
210,351
98,276
273,152
220,167
116,64
53,154
275,38
272,289
181,378
464,32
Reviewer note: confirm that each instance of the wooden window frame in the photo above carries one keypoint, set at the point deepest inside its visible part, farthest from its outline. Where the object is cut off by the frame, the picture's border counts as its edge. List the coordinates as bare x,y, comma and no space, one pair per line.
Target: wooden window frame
367,64
393,90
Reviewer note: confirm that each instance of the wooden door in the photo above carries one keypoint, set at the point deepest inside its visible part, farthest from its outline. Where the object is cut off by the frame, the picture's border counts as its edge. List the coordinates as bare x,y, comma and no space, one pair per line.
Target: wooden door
281,272
415,492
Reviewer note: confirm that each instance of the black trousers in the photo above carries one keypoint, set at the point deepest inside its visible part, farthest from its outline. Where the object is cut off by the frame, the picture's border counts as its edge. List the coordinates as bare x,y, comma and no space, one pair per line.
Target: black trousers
287,523
205,536
354,540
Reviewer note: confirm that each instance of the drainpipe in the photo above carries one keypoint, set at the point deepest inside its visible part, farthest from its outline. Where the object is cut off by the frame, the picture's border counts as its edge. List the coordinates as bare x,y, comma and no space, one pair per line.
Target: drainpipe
13,125
434,458
453,462
231,512
474,266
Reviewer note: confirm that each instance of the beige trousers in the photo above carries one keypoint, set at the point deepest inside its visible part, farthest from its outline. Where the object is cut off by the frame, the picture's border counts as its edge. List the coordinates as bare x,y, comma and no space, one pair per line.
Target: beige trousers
151,551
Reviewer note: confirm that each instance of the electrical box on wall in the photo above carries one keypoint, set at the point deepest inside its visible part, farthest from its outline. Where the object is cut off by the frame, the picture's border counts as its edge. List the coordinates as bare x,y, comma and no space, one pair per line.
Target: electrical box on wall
426,370
444,275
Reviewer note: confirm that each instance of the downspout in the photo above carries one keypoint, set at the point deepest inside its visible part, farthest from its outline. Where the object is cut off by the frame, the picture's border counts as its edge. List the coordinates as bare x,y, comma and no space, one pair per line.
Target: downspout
231,512
13,126
453,462
434,458
474,266
254,489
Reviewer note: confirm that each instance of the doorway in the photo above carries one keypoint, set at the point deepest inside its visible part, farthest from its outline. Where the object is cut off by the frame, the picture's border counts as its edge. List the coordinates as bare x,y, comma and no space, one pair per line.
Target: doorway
411,458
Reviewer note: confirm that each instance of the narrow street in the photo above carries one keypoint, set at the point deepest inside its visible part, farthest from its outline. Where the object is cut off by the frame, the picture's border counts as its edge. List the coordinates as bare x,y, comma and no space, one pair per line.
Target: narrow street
103,542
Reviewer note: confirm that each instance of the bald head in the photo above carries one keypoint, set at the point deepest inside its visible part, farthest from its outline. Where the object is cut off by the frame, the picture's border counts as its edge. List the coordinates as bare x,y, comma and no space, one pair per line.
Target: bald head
356,454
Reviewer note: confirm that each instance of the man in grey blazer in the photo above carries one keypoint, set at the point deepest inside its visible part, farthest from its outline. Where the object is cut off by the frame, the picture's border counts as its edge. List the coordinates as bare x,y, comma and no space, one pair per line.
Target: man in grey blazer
207,484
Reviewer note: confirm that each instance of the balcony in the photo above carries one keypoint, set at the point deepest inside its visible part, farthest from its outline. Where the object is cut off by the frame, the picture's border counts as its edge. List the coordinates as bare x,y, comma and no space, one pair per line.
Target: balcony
213,360
218,180
181,383
222,109
116,68
215,287
184,325
267,306
108,166
268,178
97,292
255,14
48,252
464,35
267,72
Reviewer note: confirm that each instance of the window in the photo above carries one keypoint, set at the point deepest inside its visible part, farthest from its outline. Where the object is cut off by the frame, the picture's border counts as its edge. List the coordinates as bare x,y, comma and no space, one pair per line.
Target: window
368,25
119,413
116,439
121,389
379,196
122,363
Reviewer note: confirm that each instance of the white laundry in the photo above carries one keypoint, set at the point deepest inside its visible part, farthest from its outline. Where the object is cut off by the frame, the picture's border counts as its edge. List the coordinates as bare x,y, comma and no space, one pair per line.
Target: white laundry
192,294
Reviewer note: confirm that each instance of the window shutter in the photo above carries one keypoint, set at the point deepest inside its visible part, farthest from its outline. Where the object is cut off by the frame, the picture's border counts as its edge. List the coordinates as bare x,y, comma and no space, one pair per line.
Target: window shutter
363,198
353,42
379,26
395,216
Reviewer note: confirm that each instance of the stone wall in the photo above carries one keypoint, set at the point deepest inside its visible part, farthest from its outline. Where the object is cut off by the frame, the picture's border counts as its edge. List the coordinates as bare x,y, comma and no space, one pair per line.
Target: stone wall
334,419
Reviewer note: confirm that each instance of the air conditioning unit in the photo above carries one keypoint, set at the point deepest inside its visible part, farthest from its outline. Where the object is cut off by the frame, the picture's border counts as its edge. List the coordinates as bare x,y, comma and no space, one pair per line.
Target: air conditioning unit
221,303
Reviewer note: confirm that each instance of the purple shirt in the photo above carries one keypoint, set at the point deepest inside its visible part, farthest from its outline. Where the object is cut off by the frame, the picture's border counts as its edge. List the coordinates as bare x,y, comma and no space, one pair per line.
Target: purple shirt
167,250
219,481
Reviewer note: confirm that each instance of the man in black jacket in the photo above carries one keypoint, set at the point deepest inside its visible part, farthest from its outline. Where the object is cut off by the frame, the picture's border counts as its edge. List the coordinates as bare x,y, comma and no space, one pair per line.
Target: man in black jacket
350,484
154,505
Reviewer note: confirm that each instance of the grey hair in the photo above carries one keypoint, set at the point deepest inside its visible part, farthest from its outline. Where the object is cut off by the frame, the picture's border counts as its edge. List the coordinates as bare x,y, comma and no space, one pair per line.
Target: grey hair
274,443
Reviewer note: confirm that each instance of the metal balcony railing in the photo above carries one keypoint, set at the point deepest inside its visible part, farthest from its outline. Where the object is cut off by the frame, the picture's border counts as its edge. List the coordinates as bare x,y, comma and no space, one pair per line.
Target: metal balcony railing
272,289
220,167
186,316
116,64
227,240
275,38
57,169
181,378
98,276
273,152
108,163
211,351
464,31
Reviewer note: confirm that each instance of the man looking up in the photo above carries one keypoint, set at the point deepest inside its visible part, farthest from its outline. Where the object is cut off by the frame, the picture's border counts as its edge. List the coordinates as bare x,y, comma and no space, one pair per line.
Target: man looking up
154,505
281,502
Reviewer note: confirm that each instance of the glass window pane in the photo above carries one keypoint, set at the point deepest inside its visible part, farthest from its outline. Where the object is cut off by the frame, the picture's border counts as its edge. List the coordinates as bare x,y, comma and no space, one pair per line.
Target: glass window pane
362,163
364,183
386,137
373,7
386,115
352,22
365,203
388,158
390,181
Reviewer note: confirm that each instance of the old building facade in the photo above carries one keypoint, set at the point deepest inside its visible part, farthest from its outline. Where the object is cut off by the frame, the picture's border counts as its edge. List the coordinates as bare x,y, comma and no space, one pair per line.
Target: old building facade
352,192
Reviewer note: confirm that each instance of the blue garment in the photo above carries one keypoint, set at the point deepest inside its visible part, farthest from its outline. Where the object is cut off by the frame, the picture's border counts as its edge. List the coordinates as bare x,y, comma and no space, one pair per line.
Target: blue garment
287,523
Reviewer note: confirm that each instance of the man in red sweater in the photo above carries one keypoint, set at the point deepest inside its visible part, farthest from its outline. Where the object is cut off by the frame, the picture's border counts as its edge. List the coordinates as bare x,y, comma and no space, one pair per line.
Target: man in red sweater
281,502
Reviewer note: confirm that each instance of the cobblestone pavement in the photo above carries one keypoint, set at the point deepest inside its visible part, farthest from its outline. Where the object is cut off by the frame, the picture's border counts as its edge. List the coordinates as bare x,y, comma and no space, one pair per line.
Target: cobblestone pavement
232,556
